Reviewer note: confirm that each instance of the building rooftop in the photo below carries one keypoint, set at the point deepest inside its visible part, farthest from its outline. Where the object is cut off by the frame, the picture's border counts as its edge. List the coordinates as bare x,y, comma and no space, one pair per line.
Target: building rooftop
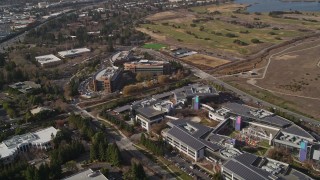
186,138
25,86
38,110
122,109
145,62
88,174
9,146
47,59
149,112
250,166
108,73
73,52
298,131
259,115
191,134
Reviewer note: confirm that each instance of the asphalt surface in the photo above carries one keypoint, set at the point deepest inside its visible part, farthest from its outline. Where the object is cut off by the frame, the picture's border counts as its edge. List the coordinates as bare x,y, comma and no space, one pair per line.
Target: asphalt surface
196,172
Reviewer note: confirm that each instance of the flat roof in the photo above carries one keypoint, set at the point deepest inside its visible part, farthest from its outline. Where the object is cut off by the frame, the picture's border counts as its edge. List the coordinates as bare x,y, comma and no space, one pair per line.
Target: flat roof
242,166
185,138
9,146
298,131
108,73
88,174
25,86
47,59
179,130
244,110
149,112
73,52
122,109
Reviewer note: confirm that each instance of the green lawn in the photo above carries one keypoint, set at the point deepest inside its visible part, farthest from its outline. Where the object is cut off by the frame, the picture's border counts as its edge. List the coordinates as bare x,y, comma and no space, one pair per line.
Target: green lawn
154,46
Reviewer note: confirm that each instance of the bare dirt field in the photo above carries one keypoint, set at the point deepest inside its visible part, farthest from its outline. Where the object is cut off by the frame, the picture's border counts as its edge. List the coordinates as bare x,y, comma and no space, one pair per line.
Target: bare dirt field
292,79
205,60
295,72
226,7
301,105
172,16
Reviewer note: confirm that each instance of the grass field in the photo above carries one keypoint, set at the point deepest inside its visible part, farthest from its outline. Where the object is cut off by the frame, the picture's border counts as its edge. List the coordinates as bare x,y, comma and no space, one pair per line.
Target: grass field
155,46
218,27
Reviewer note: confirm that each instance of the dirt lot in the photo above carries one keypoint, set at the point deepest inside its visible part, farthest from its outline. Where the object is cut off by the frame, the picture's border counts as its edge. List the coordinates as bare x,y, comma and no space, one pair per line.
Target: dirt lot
201,59
295,72
172,16
292,79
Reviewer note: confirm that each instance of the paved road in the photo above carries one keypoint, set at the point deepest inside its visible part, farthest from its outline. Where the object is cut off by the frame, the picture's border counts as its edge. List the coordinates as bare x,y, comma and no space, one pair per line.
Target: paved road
243,95
125,143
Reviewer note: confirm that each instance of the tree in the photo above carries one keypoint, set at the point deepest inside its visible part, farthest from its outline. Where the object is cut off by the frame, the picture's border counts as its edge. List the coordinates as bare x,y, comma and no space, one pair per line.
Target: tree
163,79
143,76
44,171
71,166
136,172
218,176
113,154
110,45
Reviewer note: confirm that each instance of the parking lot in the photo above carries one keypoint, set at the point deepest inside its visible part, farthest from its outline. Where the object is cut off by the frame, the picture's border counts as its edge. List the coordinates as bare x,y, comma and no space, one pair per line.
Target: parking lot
186,166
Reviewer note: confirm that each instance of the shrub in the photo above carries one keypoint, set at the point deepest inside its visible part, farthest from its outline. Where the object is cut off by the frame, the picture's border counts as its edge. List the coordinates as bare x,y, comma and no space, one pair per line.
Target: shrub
255,41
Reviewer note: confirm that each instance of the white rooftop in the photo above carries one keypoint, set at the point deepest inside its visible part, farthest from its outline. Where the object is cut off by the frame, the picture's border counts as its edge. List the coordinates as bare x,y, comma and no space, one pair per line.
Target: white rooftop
9,147
47,59
73,52
38,109
87,174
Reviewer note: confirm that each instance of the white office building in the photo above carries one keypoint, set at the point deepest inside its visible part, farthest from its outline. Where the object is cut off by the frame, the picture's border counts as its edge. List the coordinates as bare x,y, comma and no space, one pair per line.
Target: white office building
41,139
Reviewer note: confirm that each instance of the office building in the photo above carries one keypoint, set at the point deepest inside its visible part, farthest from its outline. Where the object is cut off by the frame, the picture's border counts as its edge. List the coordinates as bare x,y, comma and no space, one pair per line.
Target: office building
108,80
148,66
41,139
73,52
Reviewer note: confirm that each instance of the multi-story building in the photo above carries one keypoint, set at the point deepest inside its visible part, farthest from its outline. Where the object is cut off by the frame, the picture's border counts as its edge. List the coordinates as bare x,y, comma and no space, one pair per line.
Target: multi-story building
41,139
190,138
147,66
249,166
107,80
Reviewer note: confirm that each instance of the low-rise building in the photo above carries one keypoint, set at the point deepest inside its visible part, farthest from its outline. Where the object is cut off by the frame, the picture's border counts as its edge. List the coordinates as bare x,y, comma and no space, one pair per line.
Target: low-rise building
39,110
48,60
87,174
249,166
148,66
190,138
147,116
73,52
108,80
25,86
41,139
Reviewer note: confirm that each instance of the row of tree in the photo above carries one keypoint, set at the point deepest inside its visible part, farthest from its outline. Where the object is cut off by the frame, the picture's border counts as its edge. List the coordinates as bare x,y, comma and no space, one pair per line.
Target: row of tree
67,152
156,147
118,122
136,172
83,124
